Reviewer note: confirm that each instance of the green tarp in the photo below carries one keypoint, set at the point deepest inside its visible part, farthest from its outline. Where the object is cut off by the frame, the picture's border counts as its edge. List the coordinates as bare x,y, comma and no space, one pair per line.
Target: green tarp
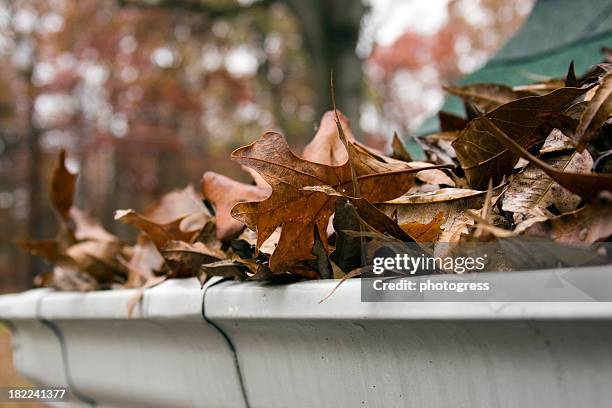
555,33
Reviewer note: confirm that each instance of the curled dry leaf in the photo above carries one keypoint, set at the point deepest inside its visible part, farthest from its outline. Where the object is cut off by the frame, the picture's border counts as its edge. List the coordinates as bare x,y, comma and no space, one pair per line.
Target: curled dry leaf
425,209
49,249
534,193
376,219
399,151
326,146
87,228
71,279
451,122
483,156
438,147
436,196
98,259
224,193
184,243
355,235
186,259
435,177
226,268
486,97
582,227
348,253
454,224
160,234
146,262
63,186
556,141
322,264
177,204
596,114
588,186
82,247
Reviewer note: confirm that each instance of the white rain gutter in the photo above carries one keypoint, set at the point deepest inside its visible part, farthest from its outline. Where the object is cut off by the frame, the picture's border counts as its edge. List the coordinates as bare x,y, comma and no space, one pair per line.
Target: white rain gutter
260,345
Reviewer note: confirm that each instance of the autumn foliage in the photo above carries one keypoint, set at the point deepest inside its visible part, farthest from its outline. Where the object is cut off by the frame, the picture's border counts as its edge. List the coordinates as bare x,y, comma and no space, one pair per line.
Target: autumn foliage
529,161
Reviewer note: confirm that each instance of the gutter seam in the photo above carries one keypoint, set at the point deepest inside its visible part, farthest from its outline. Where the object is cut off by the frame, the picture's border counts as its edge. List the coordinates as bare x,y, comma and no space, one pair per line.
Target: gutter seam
229,342
64,350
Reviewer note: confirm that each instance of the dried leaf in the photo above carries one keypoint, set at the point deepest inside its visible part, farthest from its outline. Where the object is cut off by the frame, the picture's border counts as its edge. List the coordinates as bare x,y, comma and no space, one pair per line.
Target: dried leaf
556,141
450,122
226,268
177,204
185,259
319,251
588,186
71,279
257,179
99,259
337,272
63,186
137,298
532,192
570,77
348,253
425,209
145,262
582,227
352,274
298,210
86,228
224,193
425,232
441,195
49,249
483,156
486,96
438,147
326,146
596,114
160,234
435,177
399,151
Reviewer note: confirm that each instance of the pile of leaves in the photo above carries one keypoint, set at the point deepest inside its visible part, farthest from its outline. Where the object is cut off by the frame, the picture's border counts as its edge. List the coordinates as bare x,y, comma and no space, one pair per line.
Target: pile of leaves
526,161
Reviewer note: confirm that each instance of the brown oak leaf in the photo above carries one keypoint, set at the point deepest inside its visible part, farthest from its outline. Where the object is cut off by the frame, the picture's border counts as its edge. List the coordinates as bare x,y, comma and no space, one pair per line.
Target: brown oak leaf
297,210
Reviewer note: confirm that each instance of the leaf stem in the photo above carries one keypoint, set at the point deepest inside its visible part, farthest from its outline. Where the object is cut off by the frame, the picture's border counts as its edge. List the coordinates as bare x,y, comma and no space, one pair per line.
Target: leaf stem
356,190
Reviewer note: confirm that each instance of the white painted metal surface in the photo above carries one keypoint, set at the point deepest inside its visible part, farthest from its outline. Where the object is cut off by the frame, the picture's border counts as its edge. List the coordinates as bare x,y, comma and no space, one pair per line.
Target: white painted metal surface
165,356
294,352
37,349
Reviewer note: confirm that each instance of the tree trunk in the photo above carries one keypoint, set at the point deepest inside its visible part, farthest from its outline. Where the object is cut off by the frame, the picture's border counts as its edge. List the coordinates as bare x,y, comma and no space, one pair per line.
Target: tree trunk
35,217
331,30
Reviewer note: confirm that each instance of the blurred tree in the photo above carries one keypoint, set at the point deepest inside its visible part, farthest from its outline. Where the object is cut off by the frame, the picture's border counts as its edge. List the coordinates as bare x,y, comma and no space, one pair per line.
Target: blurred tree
140,110
146,97
330,29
